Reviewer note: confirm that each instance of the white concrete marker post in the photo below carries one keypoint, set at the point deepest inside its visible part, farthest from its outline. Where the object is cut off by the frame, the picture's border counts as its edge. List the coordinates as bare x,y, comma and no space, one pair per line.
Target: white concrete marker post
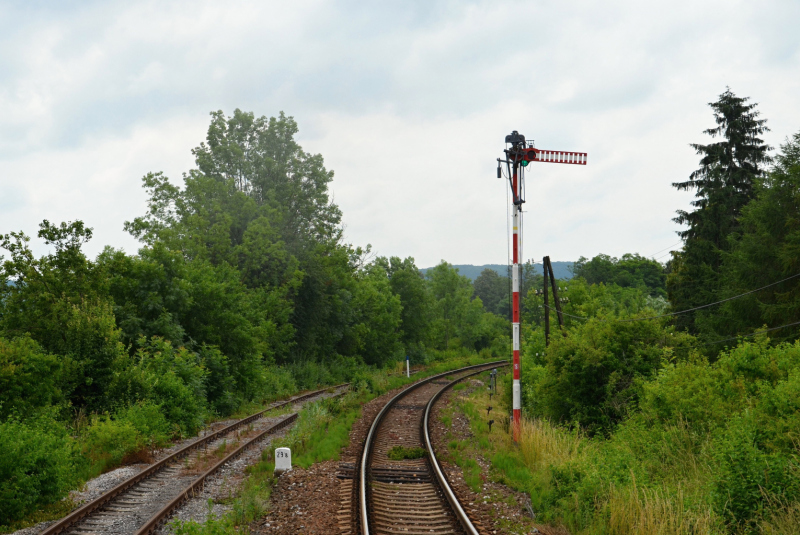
408,367
283,460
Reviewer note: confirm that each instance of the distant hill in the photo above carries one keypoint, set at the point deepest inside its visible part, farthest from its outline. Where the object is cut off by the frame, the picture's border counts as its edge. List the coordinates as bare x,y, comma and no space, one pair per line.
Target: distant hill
560,269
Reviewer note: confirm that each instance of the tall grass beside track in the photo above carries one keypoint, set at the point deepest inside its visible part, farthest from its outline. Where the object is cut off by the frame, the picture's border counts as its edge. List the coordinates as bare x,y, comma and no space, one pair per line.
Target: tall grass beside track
644,479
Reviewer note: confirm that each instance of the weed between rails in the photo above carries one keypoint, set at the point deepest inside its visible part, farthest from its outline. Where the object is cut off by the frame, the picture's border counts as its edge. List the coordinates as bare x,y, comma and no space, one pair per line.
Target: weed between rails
399,453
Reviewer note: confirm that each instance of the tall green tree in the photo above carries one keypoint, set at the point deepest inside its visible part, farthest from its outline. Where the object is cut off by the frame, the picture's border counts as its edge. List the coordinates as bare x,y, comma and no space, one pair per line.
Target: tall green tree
456,314
258,204
408,283
723,185
60,300
766,250
492,289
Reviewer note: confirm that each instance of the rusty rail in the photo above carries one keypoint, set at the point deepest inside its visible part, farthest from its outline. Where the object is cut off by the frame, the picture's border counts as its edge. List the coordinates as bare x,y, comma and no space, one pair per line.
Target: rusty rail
92,506
368,443
190,491
463,519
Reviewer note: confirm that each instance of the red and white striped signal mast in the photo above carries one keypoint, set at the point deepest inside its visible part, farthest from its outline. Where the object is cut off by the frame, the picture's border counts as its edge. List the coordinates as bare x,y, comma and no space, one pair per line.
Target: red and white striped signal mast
518,156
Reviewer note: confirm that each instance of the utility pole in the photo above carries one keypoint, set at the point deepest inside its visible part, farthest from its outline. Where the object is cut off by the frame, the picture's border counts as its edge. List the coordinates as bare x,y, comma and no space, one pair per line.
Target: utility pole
545,272
517,158
556,300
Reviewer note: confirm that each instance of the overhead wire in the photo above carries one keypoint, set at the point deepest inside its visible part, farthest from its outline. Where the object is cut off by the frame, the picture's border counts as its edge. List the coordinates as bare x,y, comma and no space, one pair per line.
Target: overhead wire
664,249
742,336
696,308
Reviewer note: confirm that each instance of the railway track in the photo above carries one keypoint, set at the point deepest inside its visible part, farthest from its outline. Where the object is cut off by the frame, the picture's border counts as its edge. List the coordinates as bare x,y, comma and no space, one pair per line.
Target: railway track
142,503
410,496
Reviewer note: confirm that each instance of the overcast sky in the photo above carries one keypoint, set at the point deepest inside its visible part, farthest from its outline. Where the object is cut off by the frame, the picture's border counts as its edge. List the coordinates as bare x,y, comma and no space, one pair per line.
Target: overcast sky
408,102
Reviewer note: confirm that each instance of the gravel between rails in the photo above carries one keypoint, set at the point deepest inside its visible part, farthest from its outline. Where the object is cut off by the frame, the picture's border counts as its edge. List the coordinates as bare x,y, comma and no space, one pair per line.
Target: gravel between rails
308,501
316,501
225,482
161,489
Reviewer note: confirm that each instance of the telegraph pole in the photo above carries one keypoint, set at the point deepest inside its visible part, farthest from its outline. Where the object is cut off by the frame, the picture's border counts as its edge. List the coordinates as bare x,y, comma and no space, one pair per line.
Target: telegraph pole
518,156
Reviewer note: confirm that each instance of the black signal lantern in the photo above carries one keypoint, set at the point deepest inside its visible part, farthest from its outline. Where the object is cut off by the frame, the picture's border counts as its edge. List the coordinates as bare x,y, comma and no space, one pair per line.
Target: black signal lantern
528,156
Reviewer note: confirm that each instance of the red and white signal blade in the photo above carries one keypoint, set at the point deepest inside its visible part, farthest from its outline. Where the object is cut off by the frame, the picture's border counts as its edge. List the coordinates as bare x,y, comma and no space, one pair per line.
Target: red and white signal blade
559,156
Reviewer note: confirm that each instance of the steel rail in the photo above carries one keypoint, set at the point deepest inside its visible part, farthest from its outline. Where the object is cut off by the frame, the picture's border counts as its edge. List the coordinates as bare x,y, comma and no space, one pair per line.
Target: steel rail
190,491
365,456
92,506
463,519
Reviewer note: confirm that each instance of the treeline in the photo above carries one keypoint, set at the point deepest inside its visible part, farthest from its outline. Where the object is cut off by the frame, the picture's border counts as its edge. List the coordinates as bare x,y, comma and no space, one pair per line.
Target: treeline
243,291
742,233
687,422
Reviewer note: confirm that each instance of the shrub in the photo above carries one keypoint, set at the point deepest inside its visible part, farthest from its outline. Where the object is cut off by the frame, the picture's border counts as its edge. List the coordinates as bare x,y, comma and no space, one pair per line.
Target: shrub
148,420
39,464
747,478
107,441
29,377
173,378
592,374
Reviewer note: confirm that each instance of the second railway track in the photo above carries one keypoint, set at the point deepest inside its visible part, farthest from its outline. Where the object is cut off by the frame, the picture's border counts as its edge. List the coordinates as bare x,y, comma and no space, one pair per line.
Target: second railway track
142,503
409,496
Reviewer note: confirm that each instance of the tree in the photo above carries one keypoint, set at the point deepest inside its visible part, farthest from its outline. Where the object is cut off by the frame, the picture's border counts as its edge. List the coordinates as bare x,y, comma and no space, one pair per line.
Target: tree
456,315
408,283
491,288
60,300
261,158
765,251
724,185
257,205
632,270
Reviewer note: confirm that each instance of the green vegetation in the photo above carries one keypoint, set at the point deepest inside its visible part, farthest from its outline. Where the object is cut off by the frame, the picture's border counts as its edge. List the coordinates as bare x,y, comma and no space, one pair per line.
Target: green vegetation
243,291
398,453
321,431
638,422
494,290
631,270
711,449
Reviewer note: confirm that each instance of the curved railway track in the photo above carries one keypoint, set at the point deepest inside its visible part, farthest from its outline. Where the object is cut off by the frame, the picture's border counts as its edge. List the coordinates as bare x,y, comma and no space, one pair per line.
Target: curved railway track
142,503
410,496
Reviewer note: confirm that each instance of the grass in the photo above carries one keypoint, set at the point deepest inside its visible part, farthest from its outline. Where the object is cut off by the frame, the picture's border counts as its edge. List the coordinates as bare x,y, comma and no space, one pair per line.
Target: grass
785,521
631,484
398,453
52,511
322,430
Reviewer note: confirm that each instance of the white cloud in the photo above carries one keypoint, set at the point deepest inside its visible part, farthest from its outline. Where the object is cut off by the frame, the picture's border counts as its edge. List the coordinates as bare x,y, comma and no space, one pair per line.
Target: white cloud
408,102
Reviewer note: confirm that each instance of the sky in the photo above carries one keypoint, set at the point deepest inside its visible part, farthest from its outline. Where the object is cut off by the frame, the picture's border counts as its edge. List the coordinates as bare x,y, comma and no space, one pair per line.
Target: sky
408,102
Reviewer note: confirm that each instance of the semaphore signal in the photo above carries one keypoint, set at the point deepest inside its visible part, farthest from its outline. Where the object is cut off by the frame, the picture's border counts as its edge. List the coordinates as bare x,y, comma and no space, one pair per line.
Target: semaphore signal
518,156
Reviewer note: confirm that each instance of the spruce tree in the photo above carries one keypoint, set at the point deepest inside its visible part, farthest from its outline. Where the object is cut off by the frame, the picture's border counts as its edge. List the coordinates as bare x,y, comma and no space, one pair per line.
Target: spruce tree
723,186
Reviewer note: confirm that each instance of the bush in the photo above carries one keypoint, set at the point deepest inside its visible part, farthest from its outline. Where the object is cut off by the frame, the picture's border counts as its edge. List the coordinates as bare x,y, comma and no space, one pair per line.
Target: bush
39,464
29,377
107,441
747,478
172,378
148,420
592,374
